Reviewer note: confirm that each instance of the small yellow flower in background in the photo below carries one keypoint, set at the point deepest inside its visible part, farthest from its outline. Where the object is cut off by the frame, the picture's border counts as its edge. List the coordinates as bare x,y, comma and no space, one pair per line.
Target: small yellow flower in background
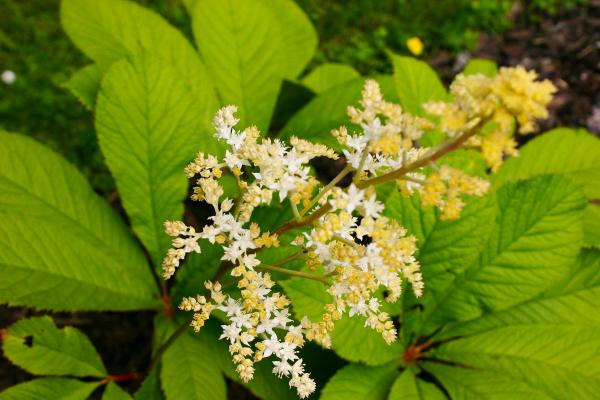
415,45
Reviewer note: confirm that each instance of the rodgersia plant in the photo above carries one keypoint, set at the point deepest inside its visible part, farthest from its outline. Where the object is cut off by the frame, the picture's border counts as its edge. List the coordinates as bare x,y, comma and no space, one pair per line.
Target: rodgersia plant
344,238
432,263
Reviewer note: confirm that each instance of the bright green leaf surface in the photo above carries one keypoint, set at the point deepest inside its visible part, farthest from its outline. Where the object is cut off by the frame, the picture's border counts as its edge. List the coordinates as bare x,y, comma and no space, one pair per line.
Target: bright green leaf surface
109,30
328,75
38,346
359,382
148,131
328,111
249,47
481,66
537,237
114,392
574,153
350,339
61,246
446,248
416,83
50,388
150,388
547,346
188,370
84,85
408,387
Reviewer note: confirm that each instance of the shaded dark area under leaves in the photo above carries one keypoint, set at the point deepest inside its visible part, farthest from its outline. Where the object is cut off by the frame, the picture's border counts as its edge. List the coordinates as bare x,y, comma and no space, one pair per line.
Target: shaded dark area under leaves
564,48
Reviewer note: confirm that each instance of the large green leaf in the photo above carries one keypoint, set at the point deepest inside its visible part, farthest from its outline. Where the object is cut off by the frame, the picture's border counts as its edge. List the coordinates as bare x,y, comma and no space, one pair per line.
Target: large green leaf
109,30
547,346
359,382
574,153
249,47
188,370
416,83
50,388
61,246
350,338
446,248
537,236
328,75
591,225
85,85
148,131
38,346
408,387
328,111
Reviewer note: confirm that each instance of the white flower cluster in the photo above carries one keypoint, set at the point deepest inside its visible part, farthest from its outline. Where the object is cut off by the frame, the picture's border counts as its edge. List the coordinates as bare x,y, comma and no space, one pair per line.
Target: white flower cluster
347,242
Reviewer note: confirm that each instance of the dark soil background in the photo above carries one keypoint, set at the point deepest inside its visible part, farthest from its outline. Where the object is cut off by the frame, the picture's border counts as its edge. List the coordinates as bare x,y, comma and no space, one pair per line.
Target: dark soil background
564,48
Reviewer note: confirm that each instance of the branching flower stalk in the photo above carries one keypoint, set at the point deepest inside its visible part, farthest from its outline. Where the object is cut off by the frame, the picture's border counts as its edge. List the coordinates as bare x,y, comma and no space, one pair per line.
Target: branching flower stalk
343,238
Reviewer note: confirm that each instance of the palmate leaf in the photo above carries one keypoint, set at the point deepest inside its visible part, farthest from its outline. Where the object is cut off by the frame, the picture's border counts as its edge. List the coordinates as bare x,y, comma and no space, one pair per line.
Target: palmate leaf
574,153
50,388
360,382
328,110
61,246
148,130
408,387
538,234
188,370
249,47
350,339
547,346
108,30
38,346
328,75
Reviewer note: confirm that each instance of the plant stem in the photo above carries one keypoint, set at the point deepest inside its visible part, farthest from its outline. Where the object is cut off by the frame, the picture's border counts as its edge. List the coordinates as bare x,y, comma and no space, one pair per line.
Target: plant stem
347,169
442,151
163,348
296,256
291,272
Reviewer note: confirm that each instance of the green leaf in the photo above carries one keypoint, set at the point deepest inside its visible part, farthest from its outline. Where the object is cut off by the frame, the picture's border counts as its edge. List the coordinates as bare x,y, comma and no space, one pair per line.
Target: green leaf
328,75
574,153
350,338
61,246
38,346
408,387
591,225
481,66
359,382
114,392
250,47
148,131
150,388
473,384
446,248
108,30
537,235
545,346
328,111
188,371
84,85
50,388
416,83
